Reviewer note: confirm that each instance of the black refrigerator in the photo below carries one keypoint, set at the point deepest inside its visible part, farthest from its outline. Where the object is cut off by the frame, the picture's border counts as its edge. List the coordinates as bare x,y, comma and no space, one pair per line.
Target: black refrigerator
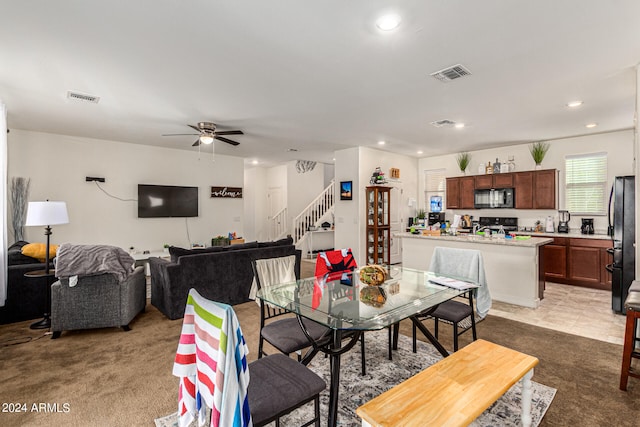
622,227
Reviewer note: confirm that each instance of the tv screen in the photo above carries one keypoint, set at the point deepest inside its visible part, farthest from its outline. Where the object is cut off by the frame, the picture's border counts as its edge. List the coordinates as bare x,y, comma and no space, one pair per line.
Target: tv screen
167,201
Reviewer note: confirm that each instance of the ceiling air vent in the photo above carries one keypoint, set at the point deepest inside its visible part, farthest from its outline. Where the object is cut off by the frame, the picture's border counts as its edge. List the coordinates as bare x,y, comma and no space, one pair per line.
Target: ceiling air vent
451,73
83,97
443,123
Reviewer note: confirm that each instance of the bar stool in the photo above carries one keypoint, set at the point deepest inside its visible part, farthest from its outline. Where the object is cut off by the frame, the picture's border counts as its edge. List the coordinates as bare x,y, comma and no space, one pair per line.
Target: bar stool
632,306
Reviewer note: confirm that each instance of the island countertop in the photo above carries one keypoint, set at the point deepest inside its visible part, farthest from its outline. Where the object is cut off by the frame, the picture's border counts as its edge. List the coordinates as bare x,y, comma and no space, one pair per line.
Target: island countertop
512,266
494,240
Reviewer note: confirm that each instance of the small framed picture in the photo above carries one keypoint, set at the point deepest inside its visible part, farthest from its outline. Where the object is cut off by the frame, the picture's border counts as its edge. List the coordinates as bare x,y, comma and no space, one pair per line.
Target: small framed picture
345,190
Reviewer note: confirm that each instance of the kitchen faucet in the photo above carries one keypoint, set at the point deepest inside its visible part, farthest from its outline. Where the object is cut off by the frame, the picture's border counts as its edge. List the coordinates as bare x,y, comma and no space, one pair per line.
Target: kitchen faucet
477,228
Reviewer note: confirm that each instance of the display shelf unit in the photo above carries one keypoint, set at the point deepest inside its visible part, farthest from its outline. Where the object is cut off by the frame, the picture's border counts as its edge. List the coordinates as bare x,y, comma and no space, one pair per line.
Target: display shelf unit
378,225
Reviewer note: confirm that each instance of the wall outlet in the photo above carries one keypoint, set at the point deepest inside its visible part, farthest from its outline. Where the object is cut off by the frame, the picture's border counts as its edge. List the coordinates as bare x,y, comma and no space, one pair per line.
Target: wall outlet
93,178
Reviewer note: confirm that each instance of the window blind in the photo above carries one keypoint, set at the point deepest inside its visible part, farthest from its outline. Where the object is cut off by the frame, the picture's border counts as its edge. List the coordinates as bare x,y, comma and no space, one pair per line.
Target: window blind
435,183
585,185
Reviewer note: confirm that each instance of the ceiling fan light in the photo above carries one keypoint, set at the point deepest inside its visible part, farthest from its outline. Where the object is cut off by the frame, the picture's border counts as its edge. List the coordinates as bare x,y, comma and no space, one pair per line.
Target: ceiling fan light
206,139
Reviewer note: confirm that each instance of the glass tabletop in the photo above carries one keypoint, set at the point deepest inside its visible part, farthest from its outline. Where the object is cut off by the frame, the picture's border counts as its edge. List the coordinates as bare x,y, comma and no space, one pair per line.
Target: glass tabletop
342,301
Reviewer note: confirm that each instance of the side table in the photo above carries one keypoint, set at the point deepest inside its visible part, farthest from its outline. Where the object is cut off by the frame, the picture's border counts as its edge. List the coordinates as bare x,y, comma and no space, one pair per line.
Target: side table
50,277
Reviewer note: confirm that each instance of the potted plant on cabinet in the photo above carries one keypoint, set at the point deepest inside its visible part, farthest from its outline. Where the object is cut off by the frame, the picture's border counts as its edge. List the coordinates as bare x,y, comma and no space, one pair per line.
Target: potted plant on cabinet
538,150
420,216
463,160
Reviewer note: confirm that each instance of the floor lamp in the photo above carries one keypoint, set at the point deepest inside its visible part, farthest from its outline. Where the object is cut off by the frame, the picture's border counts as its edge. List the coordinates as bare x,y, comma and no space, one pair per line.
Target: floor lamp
46,214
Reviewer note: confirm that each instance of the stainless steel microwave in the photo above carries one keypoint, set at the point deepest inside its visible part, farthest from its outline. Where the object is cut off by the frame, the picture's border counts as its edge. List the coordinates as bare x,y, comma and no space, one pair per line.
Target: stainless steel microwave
494,198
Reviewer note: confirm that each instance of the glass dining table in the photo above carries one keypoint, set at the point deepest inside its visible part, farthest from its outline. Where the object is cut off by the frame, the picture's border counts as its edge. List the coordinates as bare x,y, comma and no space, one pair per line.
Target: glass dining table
347,307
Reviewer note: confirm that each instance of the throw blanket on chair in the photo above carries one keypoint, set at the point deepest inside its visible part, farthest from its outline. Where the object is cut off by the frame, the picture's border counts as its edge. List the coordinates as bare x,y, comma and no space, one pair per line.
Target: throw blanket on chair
465,264
273,271
88,260
212,365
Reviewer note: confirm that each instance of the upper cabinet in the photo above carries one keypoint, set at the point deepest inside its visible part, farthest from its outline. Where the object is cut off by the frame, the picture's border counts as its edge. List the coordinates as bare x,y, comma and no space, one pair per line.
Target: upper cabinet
487,182
533,189
460,192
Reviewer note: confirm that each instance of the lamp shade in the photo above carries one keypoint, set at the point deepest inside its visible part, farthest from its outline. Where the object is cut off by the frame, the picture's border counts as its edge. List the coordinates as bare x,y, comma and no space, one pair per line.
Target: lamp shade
47,213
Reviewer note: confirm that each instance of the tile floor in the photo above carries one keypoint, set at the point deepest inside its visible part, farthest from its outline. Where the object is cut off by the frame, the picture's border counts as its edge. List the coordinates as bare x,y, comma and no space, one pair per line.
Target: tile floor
572,309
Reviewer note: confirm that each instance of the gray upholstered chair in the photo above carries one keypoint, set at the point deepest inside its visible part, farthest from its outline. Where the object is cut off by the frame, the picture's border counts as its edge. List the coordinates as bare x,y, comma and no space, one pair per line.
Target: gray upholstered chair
98,301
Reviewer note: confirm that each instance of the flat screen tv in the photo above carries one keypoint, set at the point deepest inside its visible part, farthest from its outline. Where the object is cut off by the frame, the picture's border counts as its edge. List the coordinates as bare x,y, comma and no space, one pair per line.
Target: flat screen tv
167,201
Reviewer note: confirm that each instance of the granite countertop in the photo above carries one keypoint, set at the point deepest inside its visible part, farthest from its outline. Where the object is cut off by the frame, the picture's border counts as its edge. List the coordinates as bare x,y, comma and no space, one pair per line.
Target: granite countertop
572,234
532,242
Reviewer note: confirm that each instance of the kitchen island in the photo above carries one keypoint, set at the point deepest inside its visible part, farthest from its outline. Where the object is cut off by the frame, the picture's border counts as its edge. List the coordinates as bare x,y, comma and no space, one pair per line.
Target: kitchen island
512,266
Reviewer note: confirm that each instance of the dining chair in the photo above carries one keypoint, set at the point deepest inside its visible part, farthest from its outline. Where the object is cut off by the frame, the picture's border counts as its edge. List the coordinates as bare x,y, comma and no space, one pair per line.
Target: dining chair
335,265
465,264
218,387
279,327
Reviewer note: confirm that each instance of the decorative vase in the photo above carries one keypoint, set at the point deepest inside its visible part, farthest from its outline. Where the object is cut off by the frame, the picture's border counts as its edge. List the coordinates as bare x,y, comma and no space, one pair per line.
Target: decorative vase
538,166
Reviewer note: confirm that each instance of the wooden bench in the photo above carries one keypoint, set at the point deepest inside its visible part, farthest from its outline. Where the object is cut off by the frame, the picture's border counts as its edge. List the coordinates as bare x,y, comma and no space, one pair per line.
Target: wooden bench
454,391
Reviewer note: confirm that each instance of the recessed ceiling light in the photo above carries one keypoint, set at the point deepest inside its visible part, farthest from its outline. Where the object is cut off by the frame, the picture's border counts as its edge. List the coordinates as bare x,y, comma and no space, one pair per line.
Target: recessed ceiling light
459,125
574,104
591,125
255,162
381,142
388,22
420,152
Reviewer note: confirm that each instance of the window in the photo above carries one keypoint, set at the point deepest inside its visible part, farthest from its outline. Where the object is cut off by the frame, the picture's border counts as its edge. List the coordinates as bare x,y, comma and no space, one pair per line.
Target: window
434,186
586,181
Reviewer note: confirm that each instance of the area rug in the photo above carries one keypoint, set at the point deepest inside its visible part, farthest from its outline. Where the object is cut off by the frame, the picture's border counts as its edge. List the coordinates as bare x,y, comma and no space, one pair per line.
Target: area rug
383,374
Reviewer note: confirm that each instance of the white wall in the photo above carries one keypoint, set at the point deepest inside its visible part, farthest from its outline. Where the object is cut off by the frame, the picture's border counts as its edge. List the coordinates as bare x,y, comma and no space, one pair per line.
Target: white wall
58,165
302,188
620,154
255,204
357,165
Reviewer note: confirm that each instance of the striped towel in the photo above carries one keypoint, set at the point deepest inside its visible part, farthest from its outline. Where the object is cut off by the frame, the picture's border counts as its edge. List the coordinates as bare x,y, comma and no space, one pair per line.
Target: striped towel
212,365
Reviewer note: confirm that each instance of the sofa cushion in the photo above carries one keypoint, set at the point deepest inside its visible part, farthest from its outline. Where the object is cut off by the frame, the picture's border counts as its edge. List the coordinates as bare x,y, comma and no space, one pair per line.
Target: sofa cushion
248,245
176,252
39,251
282,242
16,257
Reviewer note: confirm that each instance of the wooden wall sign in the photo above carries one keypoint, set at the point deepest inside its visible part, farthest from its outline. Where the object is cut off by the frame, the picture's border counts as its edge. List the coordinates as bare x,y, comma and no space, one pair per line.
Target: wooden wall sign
395,173
228,192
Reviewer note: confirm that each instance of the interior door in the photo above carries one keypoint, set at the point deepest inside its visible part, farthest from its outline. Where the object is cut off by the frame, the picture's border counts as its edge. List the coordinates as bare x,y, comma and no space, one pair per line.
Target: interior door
276,204
396,224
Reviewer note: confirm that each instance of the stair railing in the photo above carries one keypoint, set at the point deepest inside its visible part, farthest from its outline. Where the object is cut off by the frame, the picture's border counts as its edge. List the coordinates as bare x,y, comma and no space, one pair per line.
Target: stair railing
310,215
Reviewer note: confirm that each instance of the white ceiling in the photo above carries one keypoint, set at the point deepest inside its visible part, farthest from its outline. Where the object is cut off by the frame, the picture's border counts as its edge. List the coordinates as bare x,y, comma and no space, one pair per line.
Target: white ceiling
318,76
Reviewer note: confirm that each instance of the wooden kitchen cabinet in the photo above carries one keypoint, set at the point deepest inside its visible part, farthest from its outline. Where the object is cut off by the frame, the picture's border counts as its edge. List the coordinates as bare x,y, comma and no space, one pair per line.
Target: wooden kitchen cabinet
578,261
460,192
544,189
535,189
523,184
484,182
453,193
498,180
555,260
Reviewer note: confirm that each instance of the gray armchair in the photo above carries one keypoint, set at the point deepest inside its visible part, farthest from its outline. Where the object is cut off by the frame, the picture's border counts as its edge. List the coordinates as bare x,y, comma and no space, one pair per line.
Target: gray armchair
97,301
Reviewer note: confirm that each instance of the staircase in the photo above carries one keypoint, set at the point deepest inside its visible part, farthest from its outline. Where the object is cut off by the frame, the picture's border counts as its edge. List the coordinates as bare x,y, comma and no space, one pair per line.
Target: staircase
312,215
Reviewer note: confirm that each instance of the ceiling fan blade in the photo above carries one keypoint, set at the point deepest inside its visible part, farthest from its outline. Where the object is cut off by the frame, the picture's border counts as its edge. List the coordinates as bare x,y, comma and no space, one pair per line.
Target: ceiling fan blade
195,128
230,132
179,134
195,144
228,141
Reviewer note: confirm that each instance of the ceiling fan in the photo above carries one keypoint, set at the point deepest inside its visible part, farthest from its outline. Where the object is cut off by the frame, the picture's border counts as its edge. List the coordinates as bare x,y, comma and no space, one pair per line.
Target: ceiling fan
207,133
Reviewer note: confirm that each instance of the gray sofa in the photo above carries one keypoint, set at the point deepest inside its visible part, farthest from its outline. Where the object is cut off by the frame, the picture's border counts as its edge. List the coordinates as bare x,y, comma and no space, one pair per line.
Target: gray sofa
98,301
222,274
